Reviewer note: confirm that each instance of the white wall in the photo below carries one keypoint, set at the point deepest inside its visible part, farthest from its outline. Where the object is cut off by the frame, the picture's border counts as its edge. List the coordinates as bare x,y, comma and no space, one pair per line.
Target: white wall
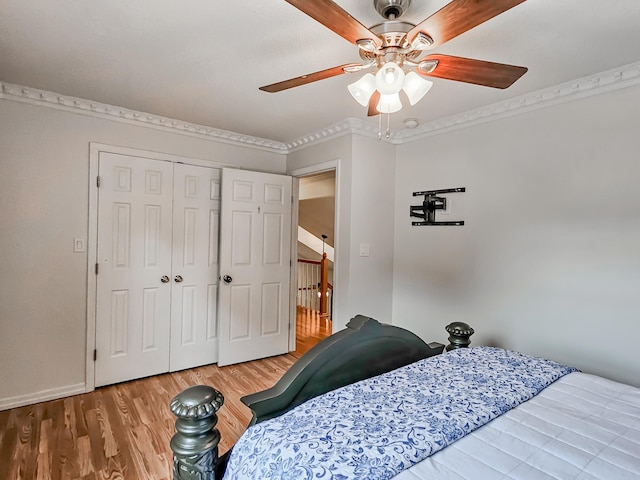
548,261
44,175
362,285
372,212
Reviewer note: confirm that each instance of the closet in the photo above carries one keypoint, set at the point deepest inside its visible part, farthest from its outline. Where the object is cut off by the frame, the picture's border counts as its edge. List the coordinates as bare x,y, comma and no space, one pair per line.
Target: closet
166,232
156,267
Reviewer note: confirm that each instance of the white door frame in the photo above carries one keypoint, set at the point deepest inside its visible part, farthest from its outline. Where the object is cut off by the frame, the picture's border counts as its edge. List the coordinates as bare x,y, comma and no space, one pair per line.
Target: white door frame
293,284
92,234
304,172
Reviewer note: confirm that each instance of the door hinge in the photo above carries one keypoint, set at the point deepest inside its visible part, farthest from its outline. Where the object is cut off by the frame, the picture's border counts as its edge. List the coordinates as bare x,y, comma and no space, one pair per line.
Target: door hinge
96,268
95,355
98,181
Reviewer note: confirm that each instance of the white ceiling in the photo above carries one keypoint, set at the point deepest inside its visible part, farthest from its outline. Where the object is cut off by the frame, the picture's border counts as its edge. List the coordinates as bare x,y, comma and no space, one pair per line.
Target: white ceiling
202,61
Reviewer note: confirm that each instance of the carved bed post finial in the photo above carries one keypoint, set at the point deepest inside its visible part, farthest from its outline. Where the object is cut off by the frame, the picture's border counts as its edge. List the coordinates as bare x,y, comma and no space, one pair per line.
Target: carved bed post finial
195,445
459,335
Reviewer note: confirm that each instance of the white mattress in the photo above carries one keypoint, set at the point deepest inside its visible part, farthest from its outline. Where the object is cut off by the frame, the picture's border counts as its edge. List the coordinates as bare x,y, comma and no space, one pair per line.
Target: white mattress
581,427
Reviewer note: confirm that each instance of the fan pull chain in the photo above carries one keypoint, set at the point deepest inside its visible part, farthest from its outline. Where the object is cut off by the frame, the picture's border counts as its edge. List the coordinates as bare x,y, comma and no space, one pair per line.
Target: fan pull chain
388,134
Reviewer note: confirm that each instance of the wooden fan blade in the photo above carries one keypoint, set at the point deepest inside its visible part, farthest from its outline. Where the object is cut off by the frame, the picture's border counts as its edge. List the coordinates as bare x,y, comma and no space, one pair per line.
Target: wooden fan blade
336,19
458,17
373,104
479,72
304,79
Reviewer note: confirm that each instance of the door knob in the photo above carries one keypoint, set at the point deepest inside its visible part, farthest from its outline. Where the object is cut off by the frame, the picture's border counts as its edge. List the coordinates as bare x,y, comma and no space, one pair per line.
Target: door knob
227,279
178,278
164,278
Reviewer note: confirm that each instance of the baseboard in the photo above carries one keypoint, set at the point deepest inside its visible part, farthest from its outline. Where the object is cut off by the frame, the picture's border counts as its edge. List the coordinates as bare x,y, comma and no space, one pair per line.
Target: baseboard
41,396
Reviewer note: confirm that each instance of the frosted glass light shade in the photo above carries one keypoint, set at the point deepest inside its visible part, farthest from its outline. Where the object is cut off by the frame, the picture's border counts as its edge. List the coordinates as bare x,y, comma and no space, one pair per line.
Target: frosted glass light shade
389,79
362,90
389,103
415,87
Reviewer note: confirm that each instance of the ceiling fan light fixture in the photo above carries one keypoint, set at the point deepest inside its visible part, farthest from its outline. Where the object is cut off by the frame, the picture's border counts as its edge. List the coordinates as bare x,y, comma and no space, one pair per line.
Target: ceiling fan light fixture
389,103
362,90
389,79
415,87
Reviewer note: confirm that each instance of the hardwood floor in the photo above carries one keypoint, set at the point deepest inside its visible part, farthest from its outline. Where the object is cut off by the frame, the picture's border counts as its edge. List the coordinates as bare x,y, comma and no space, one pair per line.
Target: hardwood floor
310,329
123,431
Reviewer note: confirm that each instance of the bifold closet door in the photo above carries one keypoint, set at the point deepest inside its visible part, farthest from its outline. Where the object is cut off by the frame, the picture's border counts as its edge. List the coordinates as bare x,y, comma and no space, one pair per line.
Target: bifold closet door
156,299
133,298
194,299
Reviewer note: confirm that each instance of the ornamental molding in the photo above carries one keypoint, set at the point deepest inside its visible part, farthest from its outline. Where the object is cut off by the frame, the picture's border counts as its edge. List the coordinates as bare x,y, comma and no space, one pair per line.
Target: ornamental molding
44,98
600,83
355,126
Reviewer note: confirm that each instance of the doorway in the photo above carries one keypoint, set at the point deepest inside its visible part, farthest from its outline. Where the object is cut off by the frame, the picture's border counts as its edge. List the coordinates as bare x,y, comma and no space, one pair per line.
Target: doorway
316,255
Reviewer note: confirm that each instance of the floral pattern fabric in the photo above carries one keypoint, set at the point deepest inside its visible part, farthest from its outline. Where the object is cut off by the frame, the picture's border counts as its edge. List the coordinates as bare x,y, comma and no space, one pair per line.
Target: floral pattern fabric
376,428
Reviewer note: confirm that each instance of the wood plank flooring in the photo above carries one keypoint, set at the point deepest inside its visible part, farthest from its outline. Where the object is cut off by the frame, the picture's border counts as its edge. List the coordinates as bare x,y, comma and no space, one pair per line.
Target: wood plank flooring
123,431
310,329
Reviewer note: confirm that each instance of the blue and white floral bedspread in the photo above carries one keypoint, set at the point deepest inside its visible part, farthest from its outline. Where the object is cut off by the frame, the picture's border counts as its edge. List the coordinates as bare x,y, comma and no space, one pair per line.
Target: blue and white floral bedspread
378,427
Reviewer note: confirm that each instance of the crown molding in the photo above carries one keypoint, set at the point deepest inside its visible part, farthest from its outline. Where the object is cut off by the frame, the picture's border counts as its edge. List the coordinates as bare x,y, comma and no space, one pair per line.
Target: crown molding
599,83
347,126
124,115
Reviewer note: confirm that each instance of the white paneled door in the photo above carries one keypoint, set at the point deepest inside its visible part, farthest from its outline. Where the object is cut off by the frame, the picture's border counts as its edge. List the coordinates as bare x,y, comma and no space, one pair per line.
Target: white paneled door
255,263
133,304
157,267
196,217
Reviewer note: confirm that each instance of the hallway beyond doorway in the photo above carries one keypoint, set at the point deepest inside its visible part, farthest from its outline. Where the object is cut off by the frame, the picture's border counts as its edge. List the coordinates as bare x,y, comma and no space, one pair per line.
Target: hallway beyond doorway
311,328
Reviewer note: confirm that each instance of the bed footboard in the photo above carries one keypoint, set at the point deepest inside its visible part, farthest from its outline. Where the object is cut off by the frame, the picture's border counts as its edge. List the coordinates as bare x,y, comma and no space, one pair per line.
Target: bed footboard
364,349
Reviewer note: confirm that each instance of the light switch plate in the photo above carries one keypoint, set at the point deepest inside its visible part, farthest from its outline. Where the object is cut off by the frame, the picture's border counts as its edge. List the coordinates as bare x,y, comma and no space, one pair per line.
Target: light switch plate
78,245
364,249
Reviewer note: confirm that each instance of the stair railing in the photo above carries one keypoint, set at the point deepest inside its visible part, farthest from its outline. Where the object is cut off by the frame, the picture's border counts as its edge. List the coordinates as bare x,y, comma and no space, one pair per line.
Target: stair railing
314,289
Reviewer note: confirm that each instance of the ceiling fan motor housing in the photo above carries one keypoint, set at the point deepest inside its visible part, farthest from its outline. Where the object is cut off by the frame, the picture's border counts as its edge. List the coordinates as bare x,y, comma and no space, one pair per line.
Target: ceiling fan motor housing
391,9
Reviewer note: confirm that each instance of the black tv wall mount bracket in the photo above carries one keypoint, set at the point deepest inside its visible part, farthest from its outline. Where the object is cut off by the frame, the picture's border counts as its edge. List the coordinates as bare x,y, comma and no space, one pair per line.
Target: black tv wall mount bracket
432,202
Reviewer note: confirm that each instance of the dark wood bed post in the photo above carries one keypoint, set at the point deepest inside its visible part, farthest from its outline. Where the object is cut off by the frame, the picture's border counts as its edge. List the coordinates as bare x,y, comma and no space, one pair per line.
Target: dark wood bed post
459,335
195,445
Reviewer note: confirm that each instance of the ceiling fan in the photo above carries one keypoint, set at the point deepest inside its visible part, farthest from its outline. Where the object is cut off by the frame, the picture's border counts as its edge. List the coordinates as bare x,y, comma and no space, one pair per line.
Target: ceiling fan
393,45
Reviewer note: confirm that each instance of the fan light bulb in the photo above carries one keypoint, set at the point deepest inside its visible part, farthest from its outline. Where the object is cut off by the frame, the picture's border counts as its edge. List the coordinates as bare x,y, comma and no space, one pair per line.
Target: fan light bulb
415,87
389,103
389,79
362,90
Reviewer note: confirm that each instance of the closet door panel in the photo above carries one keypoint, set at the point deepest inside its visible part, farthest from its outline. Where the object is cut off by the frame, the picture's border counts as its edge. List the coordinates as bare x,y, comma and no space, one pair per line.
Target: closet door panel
196,207
255,258
133,254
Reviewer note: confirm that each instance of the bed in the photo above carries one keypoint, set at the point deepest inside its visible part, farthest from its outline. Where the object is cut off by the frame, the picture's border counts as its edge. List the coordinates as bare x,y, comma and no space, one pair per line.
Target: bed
376,402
